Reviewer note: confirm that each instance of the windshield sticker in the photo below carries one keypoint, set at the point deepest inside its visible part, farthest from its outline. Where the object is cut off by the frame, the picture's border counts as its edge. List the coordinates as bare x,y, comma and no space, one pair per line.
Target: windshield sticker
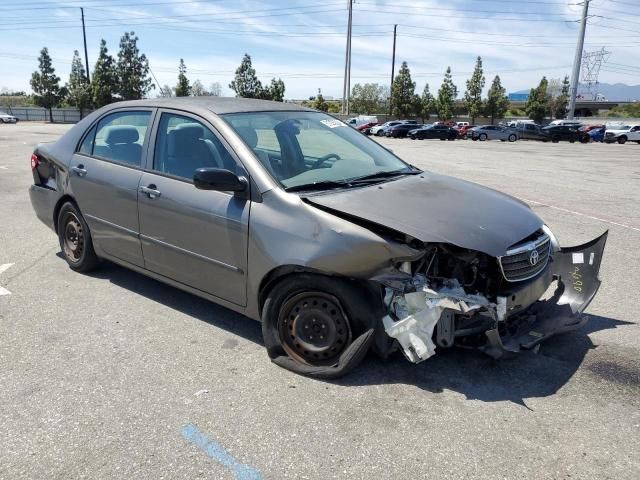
333,123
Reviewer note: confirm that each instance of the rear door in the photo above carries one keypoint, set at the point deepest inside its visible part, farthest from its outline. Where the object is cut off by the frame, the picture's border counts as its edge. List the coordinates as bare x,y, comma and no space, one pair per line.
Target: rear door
195,237
104,177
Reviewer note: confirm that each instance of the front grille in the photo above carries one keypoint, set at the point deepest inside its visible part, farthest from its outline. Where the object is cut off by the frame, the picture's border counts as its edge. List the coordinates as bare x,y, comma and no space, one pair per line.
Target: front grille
521,263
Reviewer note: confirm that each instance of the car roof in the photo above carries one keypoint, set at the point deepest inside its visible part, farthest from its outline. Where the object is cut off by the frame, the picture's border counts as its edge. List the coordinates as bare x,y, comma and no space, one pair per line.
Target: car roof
218,105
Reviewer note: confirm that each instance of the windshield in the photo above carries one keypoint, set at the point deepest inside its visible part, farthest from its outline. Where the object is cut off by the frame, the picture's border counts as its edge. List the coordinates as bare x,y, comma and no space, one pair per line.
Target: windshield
305,148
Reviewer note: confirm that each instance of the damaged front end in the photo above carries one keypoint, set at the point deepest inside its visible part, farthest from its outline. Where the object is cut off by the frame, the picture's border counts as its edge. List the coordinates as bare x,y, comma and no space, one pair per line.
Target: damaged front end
454,296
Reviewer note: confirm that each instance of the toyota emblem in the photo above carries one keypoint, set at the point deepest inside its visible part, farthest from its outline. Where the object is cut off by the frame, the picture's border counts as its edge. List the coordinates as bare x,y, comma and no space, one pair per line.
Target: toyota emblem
534,257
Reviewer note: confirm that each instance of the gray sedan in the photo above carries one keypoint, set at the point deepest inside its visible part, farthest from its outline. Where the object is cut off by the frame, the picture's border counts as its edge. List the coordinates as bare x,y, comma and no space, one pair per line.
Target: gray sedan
492,132
294,219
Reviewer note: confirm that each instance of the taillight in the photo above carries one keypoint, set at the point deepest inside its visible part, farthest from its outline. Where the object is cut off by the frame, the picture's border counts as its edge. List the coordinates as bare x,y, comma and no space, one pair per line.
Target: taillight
35,161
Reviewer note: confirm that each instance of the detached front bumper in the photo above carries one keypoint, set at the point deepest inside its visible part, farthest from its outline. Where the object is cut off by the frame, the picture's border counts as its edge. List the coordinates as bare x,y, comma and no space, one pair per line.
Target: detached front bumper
576,272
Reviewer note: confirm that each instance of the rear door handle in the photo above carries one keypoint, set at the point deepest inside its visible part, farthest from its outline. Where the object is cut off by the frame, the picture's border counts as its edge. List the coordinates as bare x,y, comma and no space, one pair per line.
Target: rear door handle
79,170
151,191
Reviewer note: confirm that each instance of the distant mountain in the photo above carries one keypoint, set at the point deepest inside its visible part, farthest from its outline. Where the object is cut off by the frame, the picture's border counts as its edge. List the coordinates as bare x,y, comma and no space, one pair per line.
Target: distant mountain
620,92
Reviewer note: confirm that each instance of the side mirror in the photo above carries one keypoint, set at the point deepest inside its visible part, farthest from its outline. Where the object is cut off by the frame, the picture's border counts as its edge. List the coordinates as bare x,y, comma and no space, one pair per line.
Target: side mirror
220,180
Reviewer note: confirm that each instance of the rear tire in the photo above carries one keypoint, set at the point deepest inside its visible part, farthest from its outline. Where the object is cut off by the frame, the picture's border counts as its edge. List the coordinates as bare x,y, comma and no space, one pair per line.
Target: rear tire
75,239
555,139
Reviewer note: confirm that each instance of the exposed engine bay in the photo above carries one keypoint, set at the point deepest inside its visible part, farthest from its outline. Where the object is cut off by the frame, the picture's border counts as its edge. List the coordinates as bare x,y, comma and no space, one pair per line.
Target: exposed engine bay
455,296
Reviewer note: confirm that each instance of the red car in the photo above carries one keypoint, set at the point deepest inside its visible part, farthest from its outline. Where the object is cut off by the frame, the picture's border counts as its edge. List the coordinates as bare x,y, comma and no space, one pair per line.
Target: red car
462,131
365,126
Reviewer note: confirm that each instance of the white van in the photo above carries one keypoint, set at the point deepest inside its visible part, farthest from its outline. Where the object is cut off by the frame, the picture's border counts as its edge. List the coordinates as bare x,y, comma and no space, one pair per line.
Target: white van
361,120
566,122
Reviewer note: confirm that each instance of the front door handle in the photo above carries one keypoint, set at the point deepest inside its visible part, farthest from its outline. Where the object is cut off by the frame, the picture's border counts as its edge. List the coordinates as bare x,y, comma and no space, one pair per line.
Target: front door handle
79,170
151,191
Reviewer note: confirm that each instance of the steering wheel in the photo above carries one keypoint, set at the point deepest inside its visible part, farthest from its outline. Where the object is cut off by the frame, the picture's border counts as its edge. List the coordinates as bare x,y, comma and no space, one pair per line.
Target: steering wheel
323,159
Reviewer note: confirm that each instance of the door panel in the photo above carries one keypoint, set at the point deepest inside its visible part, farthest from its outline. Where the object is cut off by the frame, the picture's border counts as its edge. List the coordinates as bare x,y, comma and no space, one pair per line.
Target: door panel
195,237
105,177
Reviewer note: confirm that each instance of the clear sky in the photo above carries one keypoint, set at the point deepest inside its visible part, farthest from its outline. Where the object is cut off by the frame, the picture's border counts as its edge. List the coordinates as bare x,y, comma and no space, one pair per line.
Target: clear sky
303,42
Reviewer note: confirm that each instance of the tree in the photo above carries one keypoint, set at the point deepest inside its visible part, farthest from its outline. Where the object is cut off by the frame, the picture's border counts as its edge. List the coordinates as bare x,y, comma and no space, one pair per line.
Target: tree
78,91
215,89
132,69
182,88
198,90
246,83
497,102
45,83
427,104
558,105
473,94
105,81
446,97
275,91
367,98
165,91
403,97
536,106
319,103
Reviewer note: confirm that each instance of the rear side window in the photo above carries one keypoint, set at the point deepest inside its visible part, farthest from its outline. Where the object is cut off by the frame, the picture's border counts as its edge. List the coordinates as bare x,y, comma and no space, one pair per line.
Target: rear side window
119,137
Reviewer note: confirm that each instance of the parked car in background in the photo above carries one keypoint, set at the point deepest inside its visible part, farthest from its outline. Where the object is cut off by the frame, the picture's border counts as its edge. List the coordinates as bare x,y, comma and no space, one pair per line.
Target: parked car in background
462,124
6,118
440,132
531,131
462,131
566,122
400,131
365,127
361,120
492,132
584,132
557,133
378,130
596,135
623,133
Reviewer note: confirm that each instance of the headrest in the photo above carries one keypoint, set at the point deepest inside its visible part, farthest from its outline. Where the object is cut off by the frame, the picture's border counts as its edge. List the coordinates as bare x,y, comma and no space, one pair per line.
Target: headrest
189,132
121,134
249,135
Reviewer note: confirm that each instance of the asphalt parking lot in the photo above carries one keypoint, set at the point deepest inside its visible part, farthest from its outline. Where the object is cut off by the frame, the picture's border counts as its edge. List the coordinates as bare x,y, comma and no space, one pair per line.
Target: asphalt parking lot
114,375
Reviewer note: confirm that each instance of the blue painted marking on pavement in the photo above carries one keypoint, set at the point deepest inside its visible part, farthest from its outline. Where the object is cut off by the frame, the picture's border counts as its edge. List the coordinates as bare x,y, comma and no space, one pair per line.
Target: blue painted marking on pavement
216,452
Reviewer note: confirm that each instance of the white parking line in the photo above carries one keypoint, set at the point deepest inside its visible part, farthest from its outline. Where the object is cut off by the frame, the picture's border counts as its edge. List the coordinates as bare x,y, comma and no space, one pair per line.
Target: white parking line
4,167
3,268
611,222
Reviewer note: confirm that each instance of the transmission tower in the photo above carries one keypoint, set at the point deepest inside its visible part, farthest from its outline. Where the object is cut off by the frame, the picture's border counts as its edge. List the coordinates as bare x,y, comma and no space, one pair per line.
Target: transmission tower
591,63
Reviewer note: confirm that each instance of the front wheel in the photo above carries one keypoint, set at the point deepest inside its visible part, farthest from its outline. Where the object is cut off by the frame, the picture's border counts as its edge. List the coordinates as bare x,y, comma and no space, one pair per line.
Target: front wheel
622,140
512,138
555,139
317,325
483,137
75,239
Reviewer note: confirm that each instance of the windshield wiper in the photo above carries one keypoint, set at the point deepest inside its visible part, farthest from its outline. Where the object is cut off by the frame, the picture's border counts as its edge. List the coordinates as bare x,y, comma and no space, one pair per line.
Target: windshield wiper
323,185
383,174
329,184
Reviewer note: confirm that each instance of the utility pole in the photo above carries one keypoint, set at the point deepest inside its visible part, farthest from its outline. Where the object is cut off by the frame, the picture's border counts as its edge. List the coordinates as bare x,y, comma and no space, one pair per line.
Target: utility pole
393,67
84,36
347,66
575,74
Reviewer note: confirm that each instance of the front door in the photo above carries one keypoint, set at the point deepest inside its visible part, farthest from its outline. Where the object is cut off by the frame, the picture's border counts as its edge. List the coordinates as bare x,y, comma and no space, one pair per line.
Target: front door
104,176
196,237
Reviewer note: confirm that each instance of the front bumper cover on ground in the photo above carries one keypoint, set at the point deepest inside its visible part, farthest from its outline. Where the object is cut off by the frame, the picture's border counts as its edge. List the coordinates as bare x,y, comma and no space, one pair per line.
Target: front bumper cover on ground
576,271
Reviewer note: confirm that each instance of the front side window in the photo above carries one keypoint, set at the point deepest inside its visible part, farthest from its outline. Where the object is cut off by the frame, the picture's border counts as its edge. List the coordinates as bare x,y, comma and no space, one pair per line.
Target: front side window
120,136
183,145
304,148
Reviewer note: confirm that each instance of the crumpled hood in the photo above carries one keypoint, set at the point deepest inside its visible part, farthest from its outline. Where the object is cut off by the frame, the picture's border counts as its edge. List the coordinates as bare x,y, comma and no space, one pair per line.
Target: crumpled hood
437,208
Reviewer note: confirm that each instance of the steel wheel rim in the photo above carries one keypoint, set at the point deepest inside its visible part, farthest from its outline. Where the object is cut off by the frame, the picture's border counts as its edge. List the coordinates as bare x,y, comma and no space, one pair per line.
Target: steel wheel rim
73,238
313,328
